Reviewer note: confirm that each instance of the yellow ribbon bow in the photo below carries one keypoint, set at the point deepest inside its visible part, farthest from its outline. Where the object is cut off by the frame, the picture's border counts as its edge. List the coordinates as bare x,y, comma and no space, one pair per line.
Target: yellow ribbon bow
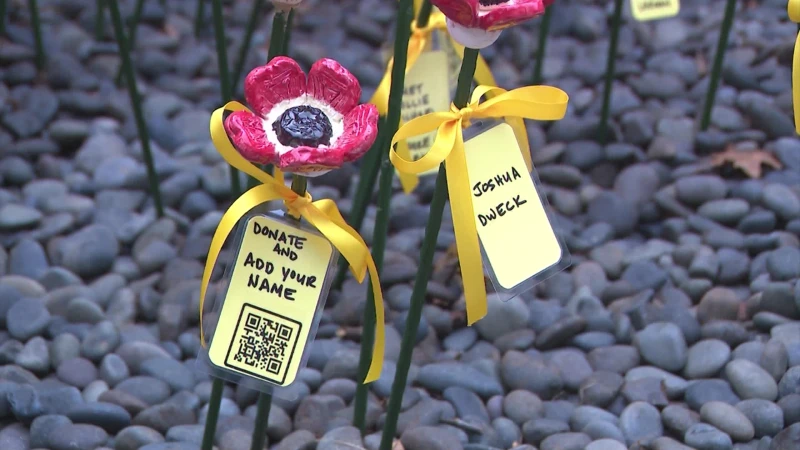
322,214
420,37
793,8
531,102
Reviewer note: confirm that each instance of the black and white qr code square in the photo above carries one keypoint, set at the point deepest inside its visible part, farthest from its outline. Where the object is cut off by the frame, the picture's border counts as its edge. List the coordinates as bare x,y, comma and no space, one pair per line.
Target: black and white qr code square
263,344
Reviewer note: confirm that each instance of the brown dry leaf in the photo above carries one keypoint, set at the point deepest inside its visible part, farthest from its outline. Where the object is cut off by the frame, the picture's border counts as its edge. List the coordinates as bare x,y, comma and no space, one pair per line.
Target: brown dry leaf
748,162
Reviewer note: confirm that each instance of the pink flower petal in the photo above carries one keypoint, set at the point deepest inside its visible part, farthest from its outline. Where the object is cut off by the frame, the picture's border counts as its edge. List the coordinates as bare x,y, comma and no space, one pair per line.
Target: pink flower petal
246,131
310,159
360,132
508,14
279,80
330,82
463,12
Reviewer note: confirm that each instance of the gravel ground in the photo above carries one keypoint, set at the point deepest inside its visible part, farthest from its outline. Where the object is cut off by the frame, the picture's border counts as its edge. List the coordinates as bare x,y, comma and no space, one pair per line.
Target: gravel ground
677,326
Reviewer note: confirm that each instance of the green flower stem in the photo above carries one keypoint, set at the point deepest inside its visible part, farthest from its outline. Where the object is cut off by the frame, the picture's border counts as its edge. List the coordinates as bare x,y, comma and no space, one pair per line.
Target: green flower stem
544,30
199,16
224,76
37,33
722,45
3,6
405,15
278,41
463,89
138,115
262,419
369,167
252,21
610,70
132,26
99,20
217,386
288,34
366,180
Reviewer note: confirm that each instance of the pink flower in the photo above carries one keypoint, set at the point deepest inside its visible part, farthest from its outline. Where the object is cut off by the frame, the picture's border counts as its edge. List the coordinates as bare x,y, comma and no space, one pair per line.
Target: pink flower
491,15
304,125
478,23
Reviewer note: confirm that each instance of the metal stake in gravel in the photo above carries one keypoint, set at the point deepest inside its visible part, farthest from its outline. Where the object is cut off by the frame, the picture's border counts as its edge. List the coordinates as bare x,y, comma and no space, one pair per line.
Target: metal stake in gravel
3,6
278,45
463,89
264,404
722,44
138,115
610,70
37,33
224,76
252,21
405,13
132,26
369,170
544,31
198,17
99,20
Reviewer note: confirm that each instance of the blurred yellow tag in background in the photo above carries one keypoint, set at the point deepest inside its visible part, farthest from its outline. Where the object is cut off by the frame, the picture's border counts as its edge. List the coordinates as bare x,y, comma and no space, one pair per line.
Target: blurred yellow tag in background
427,90
512,223
271,301
643,10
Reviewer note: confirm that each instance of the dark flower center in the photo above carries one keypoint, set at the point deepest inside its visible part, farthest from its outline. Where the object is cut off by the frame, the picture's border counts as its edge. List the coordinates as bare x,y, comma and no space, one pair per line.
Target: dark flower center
303,125
491,2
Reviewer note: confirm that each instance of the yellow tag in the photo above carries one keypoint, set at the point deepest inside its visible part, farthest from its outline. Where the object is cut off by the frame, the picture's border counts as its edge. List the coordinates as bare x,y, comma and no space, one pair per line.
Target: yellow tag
512,224
643,10
269,308
427,90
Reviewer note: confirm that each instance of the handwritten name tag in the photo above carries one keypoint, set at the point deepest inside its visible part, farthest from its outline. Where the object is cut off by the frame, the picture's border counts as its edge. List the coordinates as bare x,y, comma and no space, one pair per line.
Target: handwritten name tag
268,311
643,10
513,227
427,90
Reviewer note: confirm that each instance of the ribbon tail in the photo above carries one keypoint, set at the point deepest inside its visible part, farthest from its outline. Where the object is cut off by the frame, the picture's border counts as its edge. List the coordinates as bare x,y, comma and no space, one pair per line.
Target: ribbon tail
249,200
408,181
378,346
796,83
466,232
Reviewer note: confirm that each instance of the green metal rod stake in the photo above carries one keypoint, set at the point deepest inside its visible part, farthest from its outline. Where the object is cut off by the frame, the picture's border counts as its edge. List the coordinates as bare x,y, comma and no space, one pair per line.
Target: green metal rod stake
199,14
136,104
287,36
262,420
463,89
252,21
544,31
224,76
369,169
214,401
610,69
37,33
3,6
99,20
368,174
278,41
405,14
132,27
724,32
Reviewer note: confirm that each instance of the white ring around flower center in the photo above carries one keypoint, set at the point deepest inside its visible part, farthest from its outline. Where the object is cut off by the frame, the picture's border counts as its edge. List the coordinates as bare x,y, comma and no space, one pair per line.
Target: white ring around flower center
472,37
336,119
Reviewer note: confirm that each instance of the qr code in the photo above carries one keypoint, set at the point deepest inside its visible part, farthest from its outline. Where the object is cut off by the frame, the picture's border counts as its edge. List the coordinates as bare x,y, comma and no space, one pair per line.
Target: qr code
263,344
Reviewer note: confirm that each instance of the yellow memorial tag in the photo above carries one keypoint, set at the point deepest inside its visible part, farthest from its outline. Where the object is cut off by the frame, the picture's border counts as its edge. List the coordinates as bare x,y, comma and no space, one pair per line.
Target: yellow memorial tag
513,227
275,288
643,10
427,90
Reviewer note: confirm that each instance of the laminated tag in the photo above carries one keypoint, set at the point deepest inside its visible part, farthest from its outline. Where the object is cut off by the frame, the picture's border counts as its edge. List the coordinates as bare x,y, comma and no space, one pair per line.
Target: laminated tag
427,90
278,283
517,238
643,10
